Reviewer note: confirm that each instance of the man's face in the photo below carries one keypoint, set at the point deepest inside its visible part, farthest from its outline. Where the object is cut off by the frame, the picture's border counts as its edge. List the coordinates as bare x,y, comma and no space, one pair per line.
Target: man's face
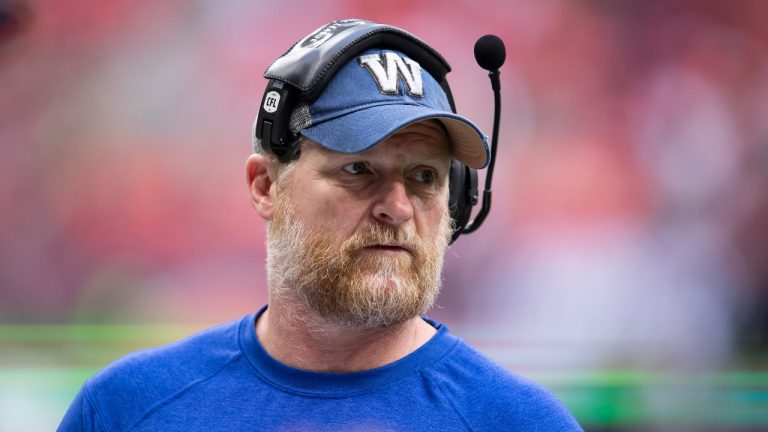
360,237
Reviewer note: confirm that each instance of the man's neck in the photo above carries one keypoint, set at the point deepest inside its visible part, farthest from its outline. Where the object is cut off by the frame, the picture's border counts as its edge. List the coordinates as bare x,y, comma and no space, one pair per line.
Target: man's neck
297,337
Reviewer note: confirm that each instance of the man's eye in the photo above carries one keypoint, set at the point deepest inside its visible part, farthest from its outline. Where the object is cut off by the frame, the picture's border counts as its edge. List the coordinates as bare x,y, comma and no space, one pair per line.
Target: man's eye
355,168
426,176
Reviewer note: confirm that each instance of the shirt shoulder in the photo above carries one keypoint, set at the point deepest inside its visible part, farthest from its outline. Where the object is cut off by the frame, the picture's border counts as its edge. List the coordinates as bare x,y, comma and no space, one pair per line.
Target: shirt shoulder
489,397
128,389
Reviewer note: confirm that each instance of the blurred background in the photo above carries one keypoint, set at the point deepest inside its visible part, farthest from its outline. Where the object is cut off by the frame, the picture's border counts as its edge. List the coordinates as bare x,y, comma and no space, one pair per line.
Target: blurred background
624,264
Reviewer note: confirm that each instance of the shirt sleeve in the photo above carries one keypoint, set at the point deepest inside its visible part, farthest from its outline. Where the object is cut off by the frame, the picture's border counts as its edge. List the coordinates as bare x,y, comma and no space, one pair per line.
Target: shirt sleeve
81,416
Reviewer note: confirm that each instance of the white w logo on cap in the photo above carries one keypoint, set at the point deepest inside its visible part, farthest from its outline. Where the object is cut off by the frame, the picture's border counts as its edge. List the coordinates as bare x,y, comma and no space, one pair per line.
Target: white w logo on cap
386,74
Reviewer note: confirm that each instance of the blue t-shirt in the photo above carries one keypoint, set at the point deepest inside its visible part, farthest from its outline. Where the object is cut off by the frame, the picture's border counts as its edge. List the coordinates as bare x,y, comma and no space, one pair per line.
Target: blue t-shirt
222,379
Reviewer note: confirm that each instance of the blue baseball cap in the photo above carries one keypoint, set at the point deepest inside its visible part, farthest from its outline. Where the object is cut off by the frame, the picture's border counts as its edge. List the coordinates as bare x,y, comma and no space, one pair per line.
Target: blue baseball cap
378,93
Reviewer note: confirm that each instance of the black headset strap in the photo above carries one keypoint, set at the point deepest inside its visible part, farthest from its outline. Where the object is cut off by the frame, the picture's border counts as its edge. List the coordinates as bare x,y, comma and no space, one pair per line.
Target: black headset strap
310,64
303,72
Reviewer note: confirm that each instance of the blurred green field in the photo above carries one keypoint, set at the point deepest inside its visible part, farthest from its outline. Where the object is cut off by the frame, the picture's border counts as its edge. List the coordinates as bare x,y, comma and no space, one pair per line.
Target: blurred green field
43,366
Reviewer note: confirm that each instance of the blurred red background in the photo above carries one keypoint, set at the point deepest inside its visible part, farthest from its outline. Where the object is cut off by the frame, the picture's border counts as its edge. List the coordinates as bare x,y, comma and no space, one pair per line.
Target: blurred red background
630,219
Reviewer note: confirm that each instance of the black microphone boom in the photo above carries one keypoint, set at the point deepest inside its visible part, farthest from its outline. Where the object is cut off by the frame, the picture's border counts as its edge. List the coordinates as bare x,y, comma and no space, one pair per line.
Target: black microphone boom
490,55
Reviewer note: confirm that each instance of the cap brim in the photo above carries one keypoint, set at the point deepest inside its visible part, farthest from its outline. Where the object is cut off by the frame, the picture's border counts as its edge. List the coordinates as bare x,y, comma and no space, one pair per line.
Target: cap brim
360,130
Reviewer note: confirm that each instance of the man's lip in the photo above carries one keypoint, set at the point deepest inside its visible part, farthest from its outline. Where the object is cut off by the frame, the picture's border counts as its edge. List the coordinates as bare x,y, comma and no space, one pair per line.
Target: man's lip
390,247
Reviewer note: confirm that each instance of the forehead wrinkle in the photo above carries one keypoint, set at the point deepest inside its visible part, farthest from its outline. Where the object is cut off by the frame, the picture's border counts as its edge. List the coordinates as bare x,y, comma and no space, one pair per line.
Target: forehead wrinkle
402,150
418,137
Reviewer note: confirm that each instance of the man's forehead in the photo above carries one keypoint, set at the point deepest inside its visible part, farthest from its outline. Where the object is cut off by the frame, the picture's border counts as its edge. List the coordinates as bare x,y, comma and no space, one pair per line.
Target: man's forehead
425,140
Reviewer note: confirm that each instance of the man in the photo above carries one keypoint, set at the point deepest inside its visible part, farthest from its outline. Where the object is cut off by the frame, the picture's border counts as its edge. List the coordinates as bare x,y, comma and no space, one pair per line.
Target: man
357,225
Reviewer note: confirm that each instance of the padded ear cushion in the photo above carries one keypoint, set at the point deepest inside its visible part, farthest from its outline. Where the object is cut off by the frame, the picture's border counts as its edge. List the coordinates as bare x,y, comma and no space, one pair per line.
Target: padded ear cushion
462,195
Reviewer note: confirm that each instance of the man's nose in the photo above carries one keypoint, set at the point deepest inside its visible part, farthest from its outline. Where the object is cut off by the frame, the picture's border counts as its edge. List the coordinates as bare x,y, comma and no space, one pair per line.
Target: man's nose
392,206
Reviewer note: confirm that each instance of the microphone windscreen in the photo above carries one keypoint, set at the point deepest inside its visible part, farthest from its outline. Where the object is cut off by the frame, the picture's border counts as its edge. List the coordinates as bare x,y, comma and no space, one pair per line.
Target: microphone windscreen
490,52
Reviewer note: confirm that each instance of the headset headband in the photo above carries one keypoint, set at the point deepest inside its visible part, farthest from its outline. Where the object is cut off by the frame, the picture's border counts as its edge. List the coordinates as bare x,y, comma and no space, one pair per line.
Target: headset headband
310,63
303,72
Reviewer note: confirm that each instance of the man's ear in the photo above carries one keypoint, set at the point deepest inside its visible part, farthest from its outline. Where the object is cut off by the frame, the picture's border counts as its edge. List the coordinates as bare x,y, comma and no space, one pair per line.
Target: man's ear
260,175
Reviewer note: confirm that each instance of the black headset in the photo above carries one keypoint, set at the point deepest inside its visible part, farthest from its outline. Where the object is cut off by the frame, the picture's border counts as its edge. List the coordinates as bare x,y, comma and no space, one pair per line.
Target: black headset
301,74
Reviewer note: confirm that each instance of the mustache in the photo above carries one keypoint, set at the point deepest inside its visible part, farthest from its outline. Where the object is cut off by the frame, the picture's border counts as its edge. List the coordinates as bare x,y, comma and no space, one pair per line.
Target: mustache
386,235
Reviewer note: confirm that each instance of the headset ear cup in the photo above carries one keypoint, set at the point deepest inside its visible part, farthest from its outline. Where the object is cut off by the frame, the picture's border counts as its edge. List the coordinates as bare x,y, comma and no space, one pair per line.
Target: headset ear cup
462,196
